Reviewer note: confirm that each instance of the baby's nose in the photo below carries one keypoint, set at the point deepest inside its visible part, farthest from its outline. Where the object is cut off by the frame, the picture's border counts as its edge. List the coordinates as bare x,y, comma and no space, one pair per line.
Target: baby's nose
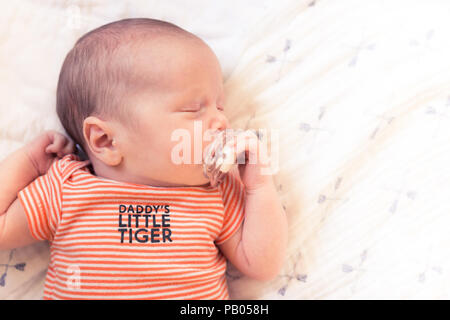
219,124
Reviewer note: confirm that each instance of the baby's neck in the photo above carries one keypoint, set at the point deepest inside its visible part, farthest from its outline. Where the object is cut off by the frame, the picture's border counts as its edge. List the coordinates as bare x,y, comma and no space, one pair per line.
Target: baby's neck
118,173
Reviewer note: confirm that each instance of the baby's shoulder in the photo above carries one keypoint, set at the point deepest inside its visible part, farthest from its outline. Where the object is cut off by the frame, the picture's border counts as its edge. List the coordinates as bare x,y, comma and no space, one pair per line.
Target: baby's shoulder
67,165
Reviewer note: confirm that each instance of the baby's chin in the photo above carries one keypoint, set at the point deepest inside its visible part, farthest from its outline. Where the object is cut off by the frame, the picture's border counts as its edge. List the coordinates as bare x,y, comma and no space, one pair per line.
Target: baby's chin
195,177
202,180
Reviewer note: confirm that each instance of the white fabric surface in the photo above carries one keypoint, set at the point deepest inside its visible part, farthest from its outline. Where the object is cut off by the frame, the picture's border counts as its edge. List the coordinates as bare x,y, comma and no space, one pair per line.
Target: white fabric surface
360,95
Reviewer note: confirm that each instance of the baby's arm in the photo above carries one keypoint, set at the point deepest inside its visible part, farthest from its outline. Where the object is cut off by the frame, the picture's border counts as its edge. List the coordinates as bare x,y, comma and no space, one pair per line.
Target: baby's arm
17,171
258,248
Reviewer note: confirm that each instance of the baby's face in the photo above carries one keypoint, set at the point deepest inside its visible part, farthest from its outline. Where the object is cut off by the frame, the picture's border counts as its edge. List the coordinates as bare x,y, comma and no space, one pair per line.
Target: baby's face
186,88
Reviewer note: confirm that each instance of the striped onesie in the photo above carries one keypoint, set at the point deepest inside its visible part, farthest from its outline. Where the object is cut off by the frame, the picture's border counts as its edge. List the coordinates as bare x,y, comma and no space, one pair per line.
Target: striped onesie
117,240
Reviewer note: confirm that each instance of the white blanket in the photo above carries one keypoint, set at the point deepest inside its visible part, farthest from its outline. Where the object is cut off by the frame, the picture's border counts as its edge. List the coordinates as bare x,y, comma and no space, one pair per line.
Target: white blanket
359,94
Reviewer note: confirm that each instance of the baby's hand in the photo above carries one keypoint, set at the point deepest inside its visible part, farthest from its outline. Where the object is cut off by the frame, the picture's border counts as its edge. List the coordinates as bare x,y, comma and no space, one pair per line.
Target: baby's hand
254,172
48,146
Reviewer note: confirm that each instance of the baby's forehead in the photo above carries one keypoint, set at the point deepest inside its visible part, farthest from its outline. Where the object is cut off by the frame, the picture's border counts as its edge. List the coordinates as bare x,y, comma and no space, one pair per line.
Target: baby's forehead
167,61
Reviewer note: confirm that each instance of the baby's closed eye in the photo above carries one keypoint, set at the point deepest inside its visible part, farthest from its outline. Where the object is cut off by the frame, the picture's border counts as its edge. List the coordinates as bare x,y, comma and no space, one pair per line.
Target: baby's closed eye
199,107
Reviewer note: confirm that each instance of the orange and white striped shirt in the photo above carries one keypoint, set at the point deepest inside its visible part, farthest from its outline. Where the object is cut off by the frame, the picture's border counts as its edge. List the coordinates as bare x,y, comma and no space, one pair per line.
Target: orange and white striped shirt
116,240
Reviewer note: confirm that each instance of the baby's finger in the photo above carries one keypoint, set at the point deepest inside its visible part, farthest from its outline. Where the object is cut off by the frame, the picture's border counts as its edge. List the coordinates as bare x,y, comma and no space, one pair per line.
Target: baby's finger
242,147
69,148
57,145
246,143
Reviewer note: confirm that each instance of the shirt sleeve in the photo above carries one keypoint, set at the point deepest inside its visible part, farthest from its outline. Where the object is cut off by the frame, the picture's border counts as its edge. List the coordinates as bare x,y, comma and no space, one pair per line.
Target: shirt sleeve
233,195
41,200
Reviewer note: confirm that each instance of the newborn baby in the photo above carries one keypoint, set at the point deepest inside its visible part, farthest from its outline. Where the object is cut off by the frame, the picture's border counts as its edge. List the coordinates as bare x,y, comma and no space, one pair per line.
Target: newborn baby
130,222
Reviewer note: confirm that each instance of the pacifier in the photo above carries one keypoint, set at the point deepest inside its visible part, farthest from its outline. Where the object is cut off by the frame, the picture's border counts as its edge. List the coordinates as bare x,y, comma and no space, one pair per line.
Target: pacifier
219,157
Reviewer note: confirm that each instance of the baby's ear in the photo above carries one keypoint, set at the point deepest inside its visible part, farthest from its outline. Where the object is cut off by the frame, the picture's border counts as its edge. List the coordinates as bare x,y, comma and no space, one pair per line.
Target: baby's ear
99,137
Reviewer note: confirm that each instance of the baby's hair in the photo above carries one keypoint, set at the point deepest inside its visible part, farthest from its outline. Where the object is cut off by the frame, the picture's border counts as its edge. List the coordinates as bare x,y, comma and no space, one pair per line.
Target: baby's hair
96,75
